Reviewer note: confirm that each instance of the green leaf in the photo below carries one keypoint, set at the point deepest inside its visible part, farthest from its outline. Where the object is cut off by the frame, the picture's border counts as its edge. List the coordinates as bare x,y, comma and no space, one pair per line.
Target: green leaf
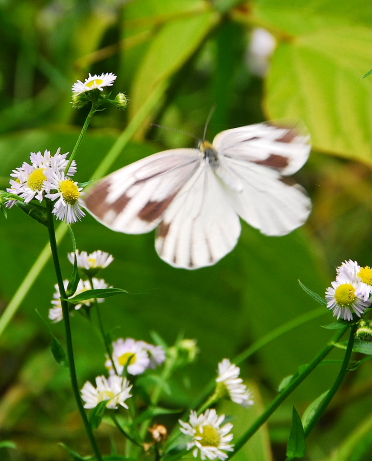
7,444
58,352
314,295
297,443
358,363
314,75
75,455
312,409
151,412
364,347
175,42
285,382
117,457
96,293
97,413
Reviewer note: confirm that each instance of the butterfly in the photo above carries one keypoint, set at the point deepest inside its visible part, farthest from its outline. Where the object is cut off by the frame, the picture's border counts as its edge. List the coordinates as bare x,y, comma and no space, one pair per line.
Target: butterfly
194,197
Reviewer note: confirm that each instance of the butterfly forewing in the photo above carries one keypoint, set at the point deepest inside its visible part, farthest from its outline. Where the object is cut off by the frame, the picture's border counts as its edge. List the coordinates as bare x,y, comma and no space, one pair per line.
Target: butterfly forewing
134,198
283,149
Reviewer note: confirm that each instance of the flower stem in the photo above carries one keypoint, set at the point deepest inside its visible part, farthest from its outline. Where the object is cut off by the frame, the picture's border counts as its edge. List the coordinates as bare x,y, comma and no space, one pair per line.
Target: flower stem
327,399
81,135
295,382
66,318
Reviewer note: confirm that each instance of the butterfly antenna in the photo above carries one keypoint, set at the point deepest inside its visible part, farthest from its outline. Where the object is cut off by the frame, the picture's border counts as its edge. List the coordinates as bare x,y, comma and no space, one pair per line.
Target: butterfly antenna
211,112
175,130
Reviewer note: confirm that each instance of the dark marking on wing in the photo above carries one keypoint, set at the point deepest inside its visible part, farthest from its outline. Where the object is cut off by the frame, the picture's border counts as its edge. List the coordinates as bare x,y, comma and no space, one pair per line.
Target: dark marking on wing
288,136
96,200
153,210
163,229
274,161
288,181
251,139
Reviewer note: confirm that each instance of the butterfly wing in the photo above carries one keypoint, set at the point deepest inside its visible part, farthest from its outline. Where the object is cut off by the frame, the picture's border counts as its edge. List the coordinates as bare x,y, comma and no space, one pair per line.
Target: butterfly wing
200,226
285,150
257,156
134,198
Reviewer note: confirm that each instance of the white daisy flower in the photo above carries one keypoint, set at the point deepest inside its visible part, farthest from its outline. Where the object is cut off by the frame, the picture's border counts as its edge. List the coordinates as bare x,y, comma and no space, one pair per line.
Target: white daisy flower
209,439
67,207
115,389
156,353
229,383
92,262
94,82
346,297
31,181
128,351
361,274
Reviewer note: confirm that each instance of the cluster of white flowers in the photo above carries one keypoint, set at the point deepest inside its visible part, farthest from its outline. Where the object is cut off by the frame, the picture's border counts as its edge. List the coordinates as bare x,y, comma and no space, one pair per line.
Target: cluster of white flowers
351,291
45,177
209,440
137,356
140,356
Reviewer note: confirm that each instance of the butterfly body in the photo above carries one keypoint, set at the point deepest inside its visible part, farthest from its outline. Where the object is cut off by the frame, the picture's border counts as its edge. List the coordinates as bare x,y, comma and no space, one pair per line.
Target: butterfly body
194,196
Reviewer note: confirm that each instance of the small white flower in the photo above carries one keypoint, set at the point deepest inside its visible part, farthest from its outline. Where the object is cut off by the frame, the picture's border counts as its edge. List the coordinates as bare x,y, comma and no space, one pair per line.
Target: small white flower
230,383
360,274
346,297
115,389
128,351
156,354
92,262
208,437
94,82
67,194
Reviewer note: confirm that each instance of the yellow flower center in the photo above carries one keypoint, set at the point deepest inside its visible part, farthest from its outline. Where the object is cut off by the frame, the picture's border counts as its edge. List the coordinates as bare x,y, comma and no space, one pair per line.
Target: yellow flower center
345,295
94,83
365,274
70,191
105,395
92,262
36,179
124,359
209,437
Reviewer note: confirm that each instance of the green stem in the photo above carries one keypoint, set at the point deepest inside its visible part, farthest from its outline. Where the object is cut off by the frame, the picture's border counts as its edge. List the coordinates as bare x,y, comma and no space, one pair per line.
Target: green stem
296,381
66,319
343,371
81,135
102,330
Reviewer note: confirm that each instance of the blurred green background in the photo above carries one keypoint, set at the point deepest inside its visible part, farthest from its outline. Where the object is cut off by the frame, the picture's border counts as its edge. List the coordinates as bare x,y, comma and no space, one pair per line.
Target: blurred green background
257,60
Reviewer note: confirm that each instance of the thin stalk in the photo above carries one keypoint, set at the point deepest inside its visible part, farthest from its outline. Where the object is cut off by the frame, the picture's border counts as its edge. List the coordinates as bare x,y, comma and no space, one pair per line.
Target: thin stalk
102,330
343,371
286,392
81,135
66,319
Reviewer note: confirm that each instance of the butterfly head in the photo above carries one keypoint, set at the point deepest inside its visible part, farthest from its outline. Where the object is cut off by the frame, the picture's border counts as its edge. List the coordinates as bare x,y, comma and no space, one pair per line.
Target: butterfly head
209,152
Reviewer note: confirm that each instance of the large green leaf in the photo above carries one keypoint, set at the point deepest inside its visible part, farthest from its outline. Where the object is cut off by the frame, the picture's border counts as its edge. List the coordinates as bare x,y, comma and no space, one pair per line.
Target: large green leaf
176,41
315,75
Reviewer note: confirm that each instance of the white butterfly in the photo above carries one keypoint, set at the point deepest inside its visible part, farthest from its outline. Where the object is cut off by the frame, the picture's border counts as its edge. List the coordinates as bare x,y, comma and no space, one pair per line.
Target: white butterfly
194,196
